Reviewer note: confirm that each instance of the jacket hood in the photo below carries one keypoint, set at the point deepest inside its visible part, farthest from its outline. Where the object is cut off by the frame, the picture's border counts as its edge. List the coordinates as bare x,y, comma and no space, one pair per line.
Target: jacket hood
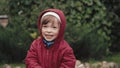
62,25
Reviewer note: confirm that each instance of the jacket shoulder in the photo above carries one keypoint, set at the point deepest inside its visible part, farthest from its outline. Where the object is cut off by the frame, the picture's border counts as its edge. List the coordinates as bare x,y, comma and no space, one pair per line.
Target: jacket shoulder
35,42
64,45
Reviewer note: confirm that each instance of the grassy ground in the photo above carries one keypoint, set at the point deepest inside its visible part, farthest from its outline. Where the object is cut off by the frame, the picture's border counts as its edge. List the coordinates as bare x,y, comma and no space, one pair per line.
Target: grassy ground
113,58
14,65
18,65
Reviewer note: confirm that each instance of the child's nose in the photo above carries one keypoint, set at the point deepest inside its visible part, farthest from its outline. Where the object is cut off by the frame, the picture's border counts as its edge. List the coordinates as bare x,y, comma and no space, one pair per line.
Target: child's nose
48,29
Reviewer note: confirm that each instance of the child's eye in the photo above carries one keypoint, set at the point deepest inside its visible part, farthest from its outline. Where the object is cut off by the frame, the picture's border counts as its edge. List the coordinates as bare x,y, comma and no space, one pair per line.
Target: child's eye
44,26
54,27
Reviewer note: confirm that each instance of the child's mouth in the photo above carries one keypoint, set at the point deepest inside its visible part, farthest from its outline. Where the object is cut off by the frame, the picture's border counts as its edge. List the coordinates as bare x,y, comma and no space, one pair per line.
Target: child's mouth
49,36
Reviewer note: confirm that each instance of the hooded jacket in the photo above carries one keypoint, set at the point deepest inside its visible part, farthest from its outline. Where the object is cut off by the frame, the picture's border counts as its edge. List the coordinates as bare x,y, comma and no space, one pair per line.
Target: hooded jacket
59,55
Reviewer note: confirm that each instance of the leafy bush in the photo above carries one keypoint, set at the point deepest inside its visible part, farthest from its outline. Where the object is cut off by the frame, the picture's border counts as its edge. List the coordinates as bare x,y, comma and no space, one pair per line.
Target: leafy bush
114,16
13,44
87,27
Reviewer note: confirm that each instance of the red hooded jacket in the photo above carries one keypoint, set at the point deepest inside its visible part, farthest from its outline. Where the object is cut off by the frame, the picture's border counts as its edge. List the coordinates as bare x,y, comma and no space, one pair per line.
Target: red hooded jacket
59,55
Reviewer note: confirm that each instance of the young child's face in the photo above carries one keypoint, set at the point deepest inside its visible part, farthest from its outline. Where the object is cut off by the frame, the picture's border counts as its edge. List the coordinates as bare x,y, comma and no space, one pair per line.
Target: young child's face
50,30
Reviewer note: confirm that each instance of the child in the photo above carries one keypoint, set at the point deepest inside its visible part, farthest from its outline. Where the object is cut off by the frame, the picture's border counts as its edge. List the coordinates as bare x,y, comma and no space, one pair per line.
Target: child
50,50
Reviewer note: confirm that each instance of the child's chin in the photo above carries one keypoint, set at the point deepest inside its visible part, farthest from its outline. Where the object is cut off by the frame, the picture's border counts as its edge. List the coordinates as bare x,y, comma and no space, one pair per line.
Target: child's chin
49,39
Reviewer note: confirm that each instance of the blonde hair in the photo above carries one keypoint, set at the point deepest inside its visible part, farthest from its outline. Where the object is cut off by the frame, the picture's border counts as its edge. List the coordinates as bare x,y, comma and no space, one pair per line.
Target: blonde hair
48,18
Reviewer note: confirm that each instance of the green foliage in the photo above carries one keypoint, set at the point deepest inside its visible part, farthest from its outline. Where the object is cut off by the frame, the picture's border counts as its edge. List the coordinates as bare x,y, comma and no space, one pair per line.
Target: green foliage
88,27
113,14
4,7
13,44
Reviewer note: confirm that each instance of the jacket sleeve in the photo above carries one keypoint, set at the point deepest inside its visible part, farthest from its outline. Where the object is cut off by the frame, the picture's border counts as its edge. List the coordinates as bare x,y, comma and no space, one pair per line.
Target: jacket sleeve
31,59
68,60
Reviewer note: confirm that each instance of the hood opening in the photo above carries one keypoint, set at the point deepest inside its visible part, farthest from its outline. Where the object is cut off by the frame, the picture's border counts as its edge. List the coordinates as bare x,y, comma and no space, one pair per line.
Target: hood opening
62,25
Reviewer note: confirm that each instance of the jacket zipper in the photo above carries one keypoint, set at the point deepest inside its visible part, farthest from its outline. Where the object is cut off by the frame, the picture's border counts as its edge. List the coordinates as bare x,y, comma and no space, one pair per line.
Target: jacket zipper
47,61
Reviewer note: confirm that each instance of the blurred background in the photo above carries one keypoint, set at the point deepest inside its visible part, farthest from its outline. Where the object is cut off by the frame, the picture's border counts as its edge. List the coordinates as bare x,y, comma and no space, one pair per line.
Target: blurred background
93,28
